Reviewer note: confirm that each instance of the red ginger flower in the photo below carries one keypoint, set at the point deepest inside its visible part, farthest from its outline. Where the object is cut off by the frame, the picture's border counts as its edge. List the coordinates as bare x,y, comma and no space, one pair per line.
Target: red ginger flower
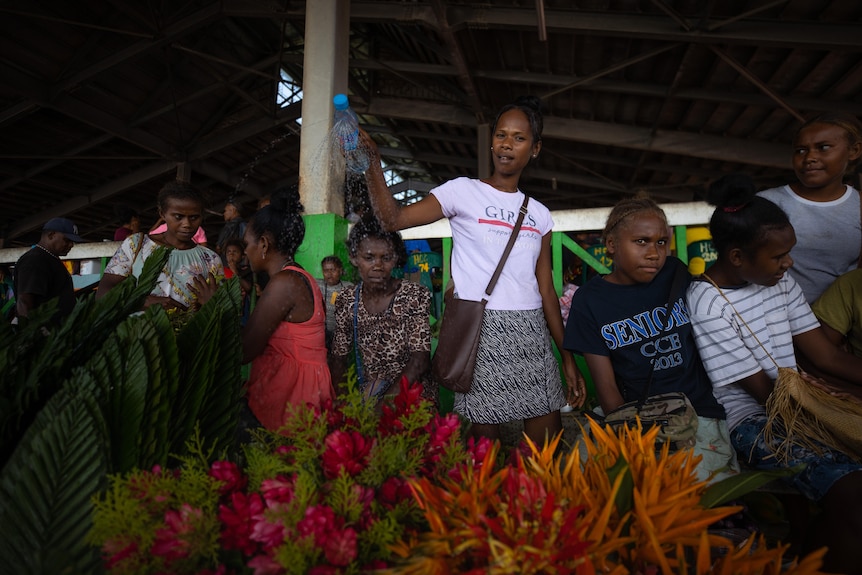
318,522
270,535
115,551
265,565
229,475
345,450
172,541
277,491
340,547
405,403
440,430
238,520
393,491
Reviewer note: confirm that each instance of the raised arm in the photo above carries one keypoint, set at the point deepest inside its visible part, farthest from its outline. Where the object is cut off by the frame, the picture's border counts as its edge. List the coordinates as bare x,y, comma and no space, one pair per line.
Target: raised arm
392,215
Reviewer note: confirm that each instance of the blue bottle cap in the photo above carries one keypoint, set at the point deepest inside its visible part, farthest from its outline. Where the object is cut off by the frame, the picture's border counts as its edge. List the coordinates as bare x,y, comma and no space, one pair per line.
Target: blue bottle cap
340,102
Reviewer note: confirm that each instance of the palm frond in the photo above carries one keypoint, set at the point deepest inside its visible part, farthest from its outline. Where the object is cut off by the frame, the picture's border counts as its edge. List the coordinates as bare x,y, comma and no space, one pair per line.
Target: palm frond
197,350
220,409
35,365
45,488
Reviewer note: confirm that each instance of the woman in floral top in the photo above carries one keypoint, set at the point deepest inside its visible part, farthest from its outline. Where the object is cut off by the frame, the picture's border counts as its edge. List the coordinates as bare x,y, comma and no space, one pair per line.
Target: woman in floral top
181,206
391,315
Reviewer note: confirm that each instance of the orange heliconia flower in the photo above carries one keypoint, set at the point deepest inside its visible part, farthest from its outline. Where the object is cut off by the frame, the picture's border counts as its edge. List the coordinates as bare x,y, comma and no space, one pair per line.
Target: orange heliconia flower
616,506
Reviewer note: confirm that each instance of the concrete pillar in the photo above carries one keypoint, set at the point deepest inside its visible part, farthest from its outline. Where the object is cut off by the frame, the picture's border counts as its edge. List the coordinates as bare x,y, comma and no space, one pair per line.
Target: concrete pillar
184,172
327,32
483,141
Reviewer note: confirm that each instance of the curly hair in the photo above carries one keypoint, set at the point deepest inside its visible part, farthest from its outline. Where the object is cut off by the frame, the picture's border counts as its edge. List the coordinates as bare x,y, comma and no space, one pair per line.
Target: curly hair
369,227
178,190
281,219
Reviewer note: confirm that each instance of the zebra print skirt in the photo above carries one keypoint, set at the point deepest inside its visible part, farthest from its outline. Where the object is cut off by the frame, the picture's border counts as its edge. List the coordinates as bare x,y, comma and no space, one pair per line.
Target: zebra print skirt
516,375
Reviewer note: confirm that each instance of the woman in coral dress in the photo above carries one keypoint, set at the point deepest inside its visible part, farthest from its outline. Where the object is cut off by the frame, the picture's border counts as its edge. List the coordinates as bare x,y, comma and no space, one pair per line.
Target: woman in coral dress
285,335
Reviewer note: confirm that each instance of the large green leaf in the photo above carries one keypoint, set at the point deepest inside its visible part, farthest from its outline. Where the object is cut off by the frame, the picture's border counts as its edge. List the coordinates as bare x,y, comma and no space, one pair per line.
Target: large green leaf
129,392
46,486
34,365
738,485
220,410
161,351
197,350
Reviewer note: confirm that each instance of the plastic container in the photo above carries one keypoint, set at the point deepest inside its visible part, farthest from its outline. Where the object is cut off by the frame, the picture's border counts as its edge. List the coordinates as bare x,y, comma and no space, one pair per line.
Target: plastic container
346,129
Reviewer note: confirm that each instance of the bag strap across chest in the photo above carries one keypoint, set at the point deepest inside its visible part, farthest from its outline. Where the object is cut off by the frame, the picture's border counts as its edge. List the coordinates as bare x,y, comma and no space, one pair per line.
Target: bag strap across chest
512,237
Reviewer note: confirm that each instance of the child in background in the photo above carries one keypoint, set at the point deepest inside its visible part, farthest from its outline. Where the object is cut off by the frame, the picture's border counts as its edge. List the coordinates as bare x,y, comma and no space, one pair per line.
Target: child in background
236,265
628,332
744,297
330,286
825,212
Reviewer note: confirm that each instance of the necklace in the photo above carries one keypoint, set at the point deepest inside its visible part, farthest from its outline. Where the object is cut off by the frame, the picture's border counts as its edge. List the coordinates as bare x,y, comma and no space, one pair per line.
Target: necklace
46,250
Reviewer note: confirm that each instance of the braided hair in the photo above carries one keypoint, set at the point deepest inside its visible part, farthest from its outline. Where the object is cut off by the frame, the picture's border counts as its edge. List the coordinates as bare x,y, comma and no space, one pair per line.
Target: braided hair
742,219
625,209
281,219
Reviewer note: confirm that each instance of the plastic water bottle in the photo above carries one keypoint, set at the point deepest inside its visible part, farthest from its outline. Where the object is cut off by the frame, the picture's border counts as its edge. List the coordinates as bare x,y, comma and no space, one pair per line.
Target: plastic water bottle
346,128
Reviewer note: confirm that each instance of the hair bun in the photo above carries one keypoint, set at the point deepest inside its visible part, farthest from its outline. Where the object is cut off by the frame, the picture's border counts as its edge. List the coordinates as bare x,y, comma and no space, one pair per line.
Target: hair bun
533,102
731,191
286,200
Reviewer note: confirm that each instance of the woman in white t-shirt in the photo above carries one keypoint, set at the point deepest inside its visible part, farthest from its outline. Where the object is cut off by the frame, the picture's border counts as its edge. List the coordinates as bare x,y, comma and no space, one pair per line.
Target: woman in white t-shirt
516,375
824,211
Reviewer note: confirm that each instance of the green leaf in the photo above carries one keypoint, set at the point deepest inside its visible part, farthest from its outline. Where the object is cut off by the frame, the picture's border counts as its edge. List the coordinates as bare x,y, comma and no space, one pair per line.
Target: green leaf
625,496
738,485
161,352
35,364
46,486
197,349
220,410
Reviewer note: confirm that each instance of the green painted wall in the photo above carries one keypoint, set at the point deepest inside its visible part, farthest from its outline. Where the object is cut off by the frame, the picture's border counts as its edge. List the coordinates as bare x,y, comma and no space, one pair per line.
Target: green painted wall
325,235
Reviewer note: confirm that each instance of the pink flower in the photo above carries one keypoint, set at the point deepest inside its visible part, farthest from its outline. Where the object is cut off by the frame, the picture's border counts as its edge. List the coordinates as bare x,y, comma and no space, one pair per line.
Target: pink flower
278,490
238,520
229,475
285,450
365,495
440,430
318,522
340,547
324,570
115,551
172,541
269,535
265,565
393,491
405,403
345,450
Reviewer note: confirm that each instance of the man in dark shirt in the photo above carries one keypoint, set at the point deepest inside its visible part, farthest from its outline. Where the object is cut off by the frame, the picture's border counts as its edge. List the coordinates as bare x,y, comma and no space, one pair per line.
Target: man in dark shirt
40,276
